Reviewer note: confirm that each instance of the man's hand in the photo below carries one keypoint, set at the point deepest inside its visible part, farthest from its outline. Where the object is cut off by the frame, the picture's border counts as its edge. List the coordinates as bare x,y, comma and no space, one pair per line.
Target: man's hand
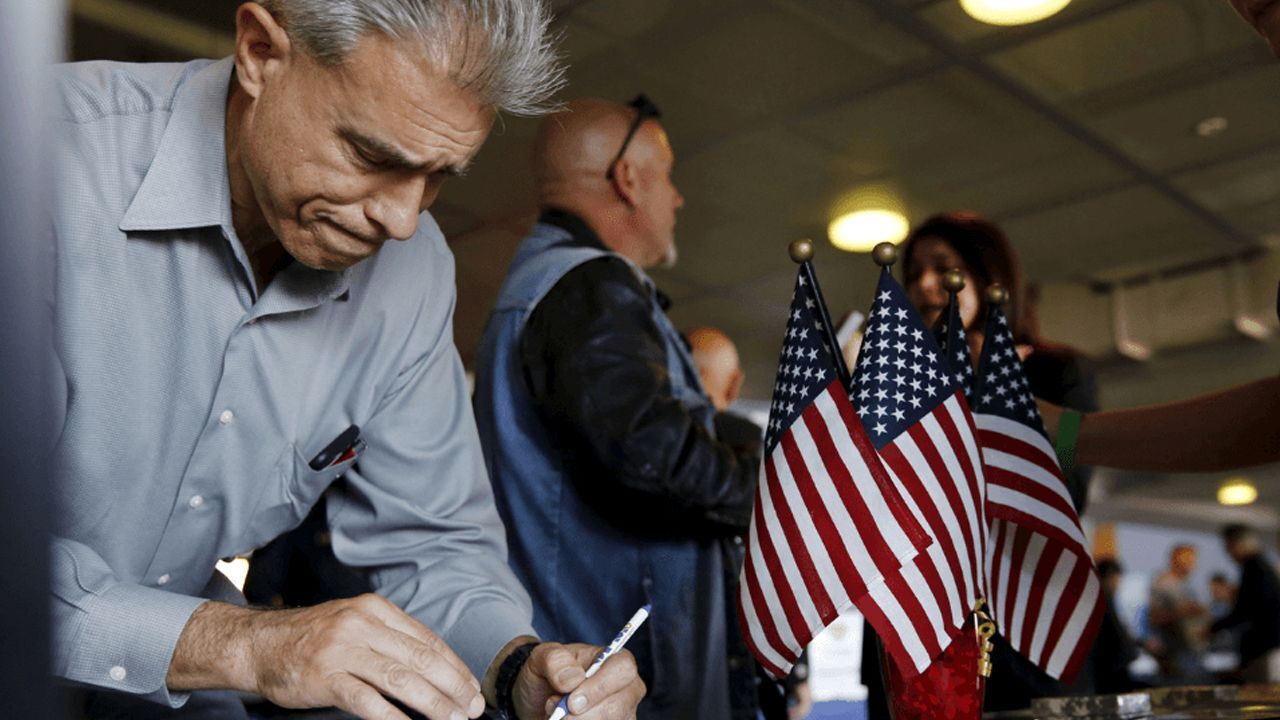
555,670
351,654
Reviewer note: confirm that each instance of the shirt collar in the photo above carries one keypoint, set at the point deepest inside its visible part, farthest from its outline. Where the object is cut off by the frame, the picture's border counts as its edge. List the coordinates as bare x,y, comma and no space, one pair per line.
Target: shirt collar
577,228
186,185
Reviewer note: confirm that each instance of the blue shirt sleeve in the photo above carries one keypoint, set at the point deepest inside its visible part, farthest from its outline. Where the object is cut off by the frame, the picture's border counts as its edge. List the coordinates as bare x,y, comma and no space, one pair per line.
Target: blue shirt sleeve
111,634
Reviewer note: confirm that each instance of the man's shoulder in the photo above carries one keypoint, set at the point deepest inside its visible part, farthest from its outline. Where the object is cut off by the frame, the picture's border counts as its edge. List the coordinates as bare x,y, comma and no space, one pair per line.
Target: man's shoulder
88,91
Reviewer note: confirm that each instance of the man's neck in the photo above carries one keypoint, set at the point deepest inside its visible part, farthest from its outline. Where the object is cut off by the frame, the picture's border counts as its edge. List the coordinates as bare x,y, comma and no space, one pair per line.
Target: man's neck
608,220
261,246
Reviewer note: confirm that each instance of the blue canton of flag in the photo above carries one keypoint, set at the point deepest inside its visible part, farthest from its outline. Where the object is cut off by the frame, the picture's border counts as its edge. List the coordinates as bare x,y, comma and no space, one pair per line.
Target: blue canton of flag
951,338
901,375
805,368
1002,388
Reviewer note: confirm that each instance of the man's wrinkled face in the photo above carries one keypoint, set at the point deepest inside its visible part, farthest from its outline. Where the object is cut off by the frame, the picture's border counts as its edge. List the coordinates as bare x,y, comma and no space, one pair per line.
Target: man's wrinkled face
1264,16
343,158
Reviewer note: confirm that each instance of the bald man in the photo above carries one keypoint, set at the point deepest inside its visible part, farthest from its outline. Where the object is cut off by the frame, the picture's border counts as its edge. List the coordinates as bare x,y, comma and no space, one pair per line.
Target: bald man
716,358
598,434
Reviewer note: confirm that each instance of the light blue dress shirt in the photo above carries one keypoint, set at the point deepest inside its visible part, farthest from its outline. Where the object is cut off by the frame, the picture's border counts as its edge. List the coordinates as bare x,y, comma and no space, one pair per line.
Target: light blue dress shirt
193,404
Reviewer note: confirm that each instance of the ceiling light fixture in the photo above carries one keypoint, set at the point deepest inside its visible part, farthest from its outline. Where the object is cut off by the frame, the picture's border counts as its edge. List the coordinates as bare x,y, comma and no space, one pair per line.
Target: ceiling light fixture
1237,491
1012,12
862,230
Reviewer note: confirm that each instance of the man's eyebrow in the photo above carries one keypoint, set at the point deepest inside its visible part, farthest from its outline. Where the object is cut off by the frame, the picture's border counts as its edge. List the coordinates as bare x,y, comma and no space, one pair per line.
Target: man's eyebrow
392,157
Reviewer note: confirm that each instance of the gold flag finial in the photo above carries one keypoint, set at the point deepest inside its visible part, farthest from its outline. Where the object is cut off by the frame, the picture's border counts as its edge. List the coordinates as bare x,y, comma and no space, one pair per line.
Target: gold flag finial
801,251
953,280
885,254
997,295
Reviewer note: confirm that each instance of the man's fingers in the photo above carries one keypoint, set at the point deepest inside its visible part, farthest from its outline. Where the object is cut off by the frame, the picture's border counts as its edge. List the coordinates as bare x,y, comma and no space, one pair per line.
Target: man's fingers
458,684
616,682
397,619
360,699
562,668
403,683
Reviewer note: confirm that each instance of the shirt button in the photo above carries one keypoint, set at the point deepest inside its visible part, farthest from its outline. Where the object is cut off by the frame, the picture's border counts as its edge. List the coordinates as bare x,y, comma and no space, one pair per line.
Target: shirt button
196,501
118,673
163,579
226,417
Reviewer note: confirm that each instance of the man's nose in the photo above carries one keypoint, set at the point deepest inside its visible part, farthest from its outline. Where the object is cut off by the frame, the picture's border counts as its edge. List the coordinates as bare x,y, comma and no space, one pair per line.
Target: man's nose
397,207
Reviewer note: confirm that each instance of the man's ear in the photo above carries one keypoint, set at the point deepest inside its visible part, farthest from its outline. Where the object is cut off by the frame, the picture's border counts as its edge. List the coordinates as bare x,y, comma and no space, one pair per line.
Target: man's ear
735,387
260,42
626,181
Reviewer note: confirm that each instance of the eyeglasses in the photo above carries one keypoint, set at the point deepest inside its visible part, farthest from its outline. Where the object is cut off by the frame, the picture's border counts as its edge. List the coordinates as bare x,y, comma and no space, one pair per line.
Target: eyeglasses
645,109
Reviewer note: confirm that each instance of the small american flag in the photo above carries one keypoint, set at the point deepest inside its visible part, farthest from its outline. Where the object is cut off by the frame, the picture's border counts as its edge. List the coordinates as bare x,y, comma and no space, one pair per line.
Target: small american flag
1045,594
915,412
827,524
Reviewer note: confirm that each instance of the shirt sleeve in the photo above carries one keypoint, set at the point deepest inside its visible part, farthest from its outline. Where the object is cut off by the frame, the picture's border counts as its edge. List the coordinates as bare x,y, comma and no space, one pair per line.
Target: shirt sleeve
596,363
417,510
110,634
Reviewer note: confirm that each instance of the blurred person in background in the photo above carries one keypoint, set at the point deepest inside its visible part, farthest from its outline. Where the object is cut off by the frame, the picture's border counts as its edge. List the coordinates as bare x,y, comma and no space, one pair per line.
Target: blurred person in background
1222,596
1256,612
1115,648
1177,620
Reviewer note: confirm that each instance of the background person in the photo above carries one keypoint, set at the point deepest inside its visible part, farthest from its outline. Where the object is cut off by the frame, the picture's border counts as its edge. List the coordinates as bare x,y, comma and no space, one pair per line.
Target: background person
599,437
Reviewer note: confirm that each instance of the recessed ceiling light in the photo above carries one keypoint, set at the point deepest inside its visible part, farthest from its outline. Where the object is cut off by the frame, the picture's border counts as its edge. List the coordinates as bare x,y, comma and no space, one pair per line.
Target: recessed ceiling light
1211,126
1012,12
1237,491
862,230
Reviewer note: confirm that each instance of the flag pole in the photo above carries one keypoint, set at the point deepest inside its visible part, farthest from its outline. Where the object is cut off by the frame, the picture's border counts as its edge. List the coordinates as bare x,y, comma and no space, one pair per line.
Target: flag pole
801,252
953,282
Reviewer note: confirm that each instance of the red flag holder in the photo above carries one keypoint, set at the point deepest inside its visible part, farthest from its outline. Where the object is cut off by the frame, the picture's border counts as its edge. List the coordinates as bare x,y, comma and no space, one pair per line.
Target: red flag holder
952,688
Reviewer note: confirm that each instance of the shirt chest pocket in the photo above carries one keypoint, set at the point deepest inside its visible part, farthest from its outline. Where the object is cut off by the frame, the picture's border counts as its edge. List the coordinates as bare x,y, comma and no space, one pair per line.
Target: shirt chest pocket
294,488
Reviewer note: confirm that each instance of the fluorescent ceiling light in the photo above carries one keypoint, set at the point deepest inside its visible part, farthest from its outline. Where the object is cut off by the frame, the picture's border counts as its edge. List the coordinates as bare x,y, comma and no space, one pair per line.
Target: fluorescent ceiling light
1012,12
862,230
1237,491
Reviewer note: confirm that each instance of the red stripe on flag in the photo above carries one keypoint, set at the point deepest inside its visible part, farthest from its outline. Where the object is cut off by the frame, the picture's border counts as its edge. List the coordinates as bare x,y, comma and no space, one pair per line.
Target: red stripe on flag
854,502
1014,446
761,607
816,590
902,516
971,477
1085,643
854,583
1017,555
1040,576
795,619
749,637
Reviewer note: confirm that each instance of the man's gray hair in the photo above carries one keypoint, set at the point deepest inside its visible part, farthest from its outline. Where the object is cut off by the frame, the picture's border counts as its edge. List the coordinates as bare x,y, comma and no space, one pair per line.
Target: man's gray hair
503,50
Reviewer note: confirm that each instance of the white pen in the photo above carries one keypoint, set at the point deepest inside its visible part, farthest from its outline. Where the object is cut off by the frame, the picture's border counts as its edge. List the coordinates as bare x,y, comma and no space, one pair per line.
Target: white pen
623,636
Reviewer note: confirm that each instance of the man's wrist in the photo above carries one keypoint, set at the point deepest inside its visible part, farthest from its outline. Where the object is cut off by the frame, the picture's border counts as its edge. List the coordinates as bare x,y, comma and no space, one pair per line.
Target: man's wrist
214,650
490,685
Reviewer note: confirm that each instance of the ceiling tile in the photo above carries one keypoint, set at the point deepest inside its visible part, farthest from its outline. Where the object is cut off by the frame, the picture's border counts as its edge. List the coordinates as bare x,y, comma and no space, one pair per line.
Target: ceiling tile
1134,42
1127,231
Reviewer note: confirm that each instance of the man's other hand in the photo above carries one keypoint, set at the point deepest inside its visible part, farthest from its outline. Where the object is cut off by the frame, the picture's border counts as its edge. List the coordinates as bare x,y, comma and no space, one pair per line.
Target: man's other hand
554,670
352,654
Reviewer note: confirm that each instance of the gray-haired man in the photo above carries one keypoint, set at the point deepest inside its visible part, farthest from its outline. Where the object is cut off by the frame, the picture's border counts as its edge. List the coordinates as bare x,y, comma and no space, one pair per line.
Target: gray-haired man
235,334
